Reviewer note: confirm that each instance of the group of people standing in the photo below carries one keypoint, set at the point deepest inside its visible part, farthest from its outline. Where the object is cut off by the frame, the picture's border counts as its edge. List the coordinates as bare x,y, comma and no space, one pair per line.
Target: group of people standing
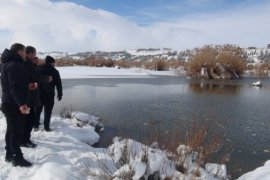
27,88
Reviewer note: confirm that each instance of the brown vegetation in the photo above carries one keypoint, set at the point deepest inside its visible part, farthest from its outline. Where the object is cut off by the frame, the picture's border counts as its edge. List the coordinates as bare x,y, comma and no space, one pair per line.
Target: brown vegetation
214,57
91,61
262,69
156,64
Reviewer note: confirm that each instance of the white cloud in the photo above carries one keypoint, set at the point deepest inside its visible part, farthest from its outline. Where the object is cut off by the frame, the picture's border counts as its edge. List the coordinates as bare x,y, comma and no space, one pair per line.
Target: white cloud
69,27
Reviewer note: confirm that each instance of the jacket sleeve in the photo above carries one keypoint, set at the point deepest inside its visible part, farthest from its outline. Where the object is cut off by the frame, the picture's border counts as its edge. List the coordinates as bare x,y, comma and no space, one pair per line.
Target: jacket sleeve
33,73
58,84
17,84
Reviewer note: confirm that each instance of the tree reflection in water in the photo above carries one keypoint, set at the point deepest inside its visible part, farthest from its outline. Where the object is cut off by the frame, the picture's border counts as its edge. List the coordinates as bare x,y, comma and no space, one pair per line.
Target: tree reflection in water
219,88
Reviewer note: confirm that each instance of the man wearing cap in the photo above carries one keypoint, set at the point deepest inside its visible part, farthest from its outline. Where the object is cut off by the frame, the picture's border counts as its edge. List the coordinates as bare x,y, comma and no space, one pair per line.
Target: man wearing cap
47,90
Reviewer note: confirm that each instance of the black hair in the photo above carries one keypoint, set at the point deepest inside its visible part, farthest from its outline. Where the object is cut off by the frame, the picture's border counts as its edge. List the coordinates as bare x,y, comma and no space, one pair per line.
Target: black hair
49,60
17,47
30,49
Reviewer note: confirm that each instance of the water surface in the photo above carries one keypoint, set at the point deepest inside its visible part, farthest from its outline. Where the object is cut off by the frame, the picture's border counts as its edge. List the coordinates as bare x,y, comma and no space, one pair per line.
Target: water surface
142,108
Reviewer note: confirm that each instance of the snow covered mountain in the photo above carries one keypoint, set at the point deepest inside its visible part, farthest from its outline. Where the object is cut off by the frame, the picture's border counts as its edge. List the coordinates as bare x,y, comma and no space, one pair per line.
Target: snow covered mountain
255,55
258,55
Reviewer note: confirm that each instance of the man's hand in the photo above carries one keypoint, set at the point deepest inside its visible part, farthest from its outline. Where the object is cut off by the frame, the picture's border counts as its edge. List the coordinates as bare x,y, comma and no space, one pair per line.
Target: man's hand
32,86
24,109
59,97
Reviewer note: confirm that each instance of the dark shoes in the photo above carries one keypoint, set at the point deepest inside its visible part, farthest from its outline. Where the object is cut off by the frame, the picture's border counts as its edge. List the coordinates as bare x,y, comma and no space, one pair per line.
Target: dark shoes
36,127
9,157
29,144
48,129
20,161
17,160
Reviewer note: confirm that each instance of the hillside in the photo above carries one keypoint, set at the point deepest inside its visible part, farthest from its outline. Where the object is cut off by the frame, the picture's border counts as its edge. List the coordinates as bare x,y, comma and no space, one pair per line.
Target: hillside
255,55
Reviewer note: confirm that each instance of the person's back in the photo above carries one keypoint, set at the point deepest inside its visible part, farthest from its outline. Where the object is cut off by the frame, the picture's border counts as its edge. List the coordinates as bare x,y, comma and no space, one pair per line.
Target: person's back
13,79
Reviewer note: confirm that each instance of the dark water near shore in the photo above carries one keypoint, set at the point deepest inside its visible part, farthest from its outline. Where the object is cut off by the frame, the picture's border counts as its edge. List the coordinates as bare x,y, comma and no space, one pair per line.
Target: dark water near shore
141,108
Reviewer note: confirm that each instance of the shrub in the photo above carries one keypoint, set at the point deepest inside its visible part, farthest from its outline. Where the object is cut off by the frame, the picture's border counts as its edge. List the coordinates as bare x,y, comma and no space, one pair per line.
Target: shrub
156,64
66,112
127,63
90,61
212,57
259,69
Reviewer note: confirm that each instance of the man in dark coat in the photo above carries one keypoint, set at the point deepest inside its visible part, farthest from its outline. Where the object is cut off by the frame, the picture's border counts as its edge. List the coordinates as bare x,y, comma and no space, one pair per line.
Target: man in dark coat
47,90
34,101
14,101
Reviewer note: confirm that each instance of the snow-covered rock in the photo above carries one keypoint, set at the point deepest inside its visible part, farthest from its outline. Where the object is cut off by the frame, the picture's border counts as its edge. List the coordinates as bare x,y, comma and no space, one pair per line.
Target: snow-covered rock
84,119
257,83
137,161
216,170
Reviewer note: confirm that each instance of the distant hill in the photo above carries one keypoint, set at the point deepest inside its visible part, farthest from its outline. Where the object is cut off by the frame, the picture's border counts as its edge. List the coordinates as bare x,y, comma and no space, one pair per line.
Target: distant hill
255,55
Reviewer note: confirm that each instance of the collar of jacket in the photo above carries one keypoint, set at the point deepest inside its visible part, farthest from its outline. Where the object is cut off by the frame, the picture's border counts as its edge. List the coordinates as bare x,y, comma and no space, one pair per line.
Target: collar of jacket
8,56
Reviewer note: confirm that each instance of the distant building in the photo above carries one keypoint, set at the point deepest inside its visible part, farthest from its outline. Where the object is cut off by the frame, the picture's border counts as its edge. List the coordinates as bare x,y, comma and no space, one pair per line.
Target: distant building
251,47
268,46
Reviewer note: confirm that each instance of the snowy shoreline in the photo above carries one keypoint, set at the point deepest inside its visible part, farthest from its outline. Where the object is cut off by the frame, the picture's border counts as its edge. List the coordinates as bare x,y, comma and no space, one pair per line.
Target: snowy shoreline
75,72
66,153
86,72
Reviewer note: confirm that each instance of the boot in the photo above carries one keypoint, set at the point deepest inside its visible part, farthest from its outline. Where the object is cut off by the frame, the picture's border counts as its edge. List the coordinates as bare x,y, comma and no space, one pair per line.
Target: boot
28,144
9,157
48,129
20,161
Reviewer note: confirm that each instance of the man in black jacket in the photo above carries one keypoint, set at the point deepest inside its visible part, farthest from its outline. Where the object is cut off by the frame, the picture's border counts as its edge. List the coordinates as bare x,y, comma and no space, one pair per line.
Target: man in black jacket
14,101
34,101
47,90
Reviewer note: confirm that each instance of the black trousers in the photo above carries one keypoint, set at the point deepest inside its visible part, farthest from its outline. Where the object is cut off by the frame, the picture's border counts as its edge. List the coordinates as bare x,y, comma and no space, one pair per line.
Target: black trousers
48,104
29,124
38,111
15,127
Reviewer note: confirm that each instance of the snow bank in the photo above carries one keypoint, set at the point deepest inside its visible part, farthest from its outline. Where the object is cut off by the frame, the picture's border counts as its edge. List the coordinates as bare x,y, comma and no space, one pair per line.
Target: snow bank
63,153
73,72
135,160
86,119
262,173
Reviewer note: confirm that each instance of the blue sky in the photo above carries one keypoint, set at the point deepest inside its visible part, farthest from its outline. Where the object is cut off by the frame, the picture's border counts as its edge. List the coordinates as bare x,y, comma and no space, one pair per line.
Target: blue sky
88,25
145,12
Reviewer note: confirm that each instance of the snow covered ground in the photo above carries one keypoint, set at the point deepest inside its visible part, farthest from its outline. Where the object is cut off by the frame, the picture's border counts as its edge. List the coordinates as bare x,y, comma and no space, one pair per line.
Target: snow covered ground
65,153
73,72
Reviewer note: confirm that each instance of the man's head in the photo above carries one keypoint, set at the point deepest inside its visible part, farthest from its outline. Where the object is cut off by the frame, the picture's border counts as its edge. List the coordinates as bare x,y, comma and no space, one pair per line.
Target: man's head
19,49
31,52
49,60
36,60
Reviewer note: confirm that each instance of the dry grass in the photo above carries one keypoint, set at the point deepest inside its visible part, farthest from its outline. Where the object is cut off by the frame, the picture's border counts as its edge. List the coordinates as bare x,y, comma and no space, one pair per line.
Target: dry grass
262,69
90,61
199,139
211,56
66,112
200,146
156,64
127,64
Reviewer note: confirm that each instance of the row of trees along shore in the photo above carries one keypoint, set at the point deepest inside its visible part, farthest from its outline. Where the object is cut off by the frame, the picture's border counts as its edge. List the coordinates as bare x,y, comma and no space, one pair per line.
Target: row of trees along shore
211,61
